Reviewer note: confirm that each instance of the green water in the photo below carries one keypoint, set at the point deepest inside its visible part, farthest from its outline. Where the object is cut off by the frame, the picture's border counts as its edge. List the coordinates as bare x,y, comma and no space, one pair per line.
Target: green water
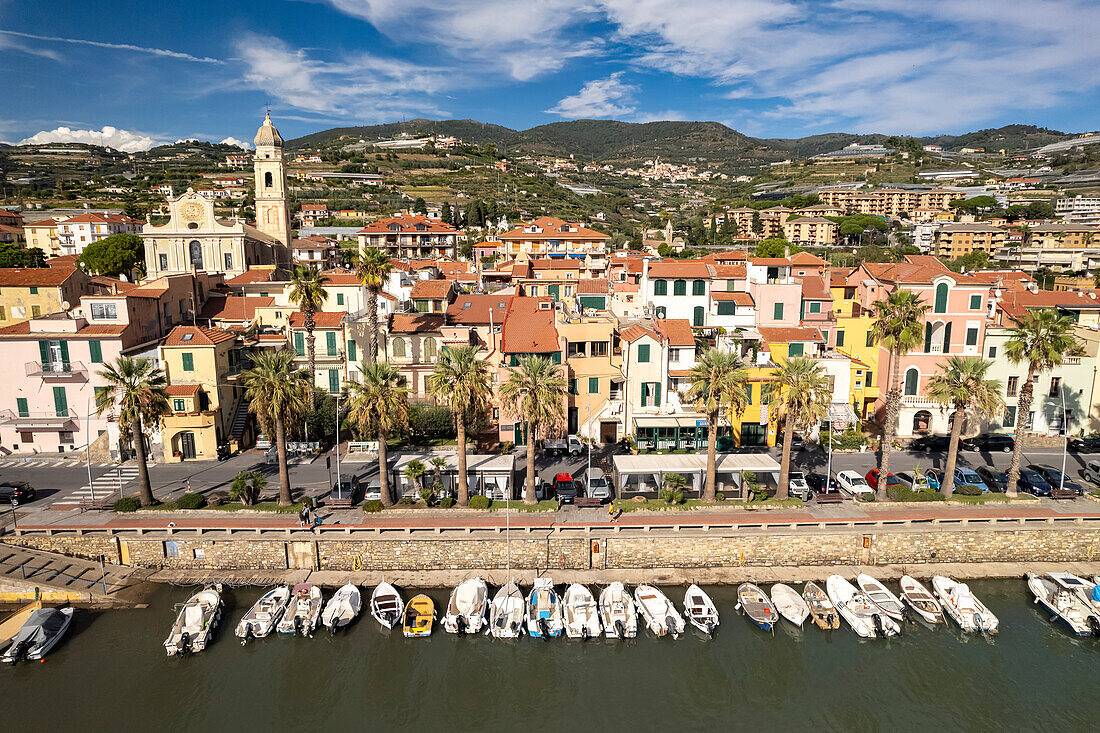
111,673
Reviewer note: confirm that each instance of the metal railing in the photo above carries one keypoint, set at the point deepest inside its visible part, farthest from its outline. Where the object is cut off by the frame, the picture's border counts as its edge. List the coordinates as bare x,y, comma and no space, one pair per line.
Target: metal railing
56,369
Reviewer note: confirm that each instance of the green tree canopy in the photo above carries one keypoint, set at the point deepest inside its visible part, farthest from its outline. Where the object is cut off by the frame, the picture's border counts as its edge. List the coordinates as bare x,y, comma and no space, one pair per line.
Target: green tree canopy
420,206
115,255
775,247
13,256
975,204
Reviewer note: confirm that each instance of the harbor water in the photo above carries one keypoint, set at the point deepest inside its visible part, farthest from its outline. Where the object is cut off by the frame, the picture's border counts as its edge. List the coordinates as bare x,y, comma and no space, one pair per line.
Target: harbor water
111,673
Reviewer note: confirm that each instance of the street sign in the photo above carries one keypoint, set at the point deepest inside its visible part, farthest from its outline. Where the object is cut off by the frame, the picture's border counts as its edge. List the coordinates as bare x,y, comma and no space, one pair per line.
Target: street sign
700,423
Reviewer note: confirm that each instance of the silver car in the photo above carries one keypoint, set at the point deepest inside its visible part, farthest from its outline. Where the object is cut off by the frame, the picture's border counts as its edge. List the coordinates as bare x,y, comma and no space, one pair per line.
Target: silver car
797,486
595,484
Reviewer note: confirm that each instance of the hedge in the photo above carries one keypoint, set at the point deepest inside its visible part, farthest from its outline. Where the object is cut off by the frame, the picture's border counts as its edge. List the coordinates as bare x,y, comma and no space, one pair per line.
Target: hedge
128,504
904,493
372,506
191,501
968,490
479,502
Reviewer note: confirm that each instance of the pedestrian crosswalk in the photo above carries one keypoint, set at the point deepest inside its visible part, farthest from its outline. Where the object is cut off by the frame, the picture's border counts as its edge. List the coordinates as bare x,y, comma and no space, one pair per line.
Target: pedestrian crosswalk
106,485
46,463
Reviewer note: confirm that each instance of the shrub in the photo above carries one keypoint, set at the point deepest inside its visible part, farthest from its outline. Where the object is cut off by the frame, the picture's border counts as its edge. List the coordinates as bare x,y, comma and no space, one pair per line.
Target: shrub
448,502
307,501
128,504
720,496
507,447
671,496
430,421
406,501
865,497
191,501
427,495
968,490
479,502
904,493
372,506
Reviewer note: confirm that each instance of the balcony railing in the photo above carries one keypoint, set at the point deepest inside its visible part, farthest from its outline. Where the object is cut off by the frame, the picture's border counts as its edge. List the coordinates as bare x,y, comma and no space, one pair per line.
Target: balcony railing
56,369
55,420
917,400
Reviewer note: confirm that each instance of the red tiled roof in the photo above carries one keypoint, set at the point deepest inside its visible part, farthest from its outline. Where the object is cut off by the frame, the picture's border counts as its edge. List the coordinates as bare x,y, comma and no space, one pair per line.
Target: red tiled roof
199,336
181,390
34,277
805,258
771,261
634,332
737,297
473,310
528,328
62,261
415,322
838,277
625,287
103,329
254,275
813,288
407,224
234,307
548,263
342,277
679,268
431,289
45,224
592,286
94,218
552,229
734,255
677,331
443,264
730,271
779,335
321,319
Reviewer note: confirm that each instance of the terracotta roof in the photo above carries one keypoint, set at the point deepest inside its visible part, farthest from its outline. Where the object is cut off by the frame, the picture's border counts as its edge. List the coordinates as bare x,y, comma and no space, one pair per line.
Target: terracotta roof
679,268
44,224
737,297
234,307
529,329
624,287
443,264
552,229
805,258
431,289
730,271
94,218
415,322
838,277
34,277
677,331
407,224
634,332
62,261
770,261
734,255
548,263
152,289
181,390
473,310
197,336
779,335
103,329
254,275
321,319
342,277
1010,278
679,372
592,286
814,288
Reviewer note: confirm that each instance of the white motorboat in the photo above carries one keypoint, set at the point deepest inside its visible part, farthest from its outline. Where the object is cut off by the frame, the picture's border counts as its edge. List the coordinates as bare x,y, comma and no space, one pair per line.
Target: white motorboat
821,608
700,610
963,606
467,607
921,600
342,608
13,623
865,618
506,612
39,634
543,613
790,604
881,596
1065,605
580,614
386,605
264,614
617,612
659,613
1086,591
196,620
304,612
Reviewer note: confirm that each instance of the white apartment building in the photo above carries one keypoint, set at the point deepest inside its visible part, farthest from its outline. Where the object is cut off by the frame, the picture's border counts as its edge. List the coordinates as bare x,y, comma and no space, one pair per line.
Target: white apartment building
75,234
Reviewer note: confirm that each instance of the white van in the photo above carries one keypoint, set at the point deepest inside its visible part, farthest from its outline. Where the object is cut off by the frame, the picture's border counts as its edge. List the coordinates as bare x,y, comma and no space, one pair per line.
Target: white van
596,486
1091,472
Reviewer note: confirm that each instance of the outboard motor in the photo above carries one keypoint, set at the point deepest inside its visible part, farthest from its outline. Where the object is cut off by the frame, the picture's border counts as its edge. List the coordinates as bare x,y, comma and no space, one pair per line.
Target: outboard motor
18,652
298,625
1094,625
670,624
620,630
248,635
544,629
979,624
460,624
584,632
906,616
710,628
184,645
877,621
332,628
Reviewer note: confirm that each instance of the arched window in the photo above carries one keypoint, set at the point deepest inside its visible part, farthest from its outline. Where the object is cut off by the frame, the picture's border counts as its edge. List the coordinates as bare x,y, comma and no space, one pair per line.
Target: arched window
698,287
680,287
660,287
912,378
699,314
195,254
922,421
941,298
429,349
269,180
399,348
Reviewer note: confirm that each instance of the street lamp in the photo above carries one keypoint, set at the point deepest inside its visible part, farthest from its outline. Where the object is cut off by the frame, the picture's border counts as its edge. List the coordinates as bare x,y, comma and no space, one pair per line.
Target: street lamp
1065,440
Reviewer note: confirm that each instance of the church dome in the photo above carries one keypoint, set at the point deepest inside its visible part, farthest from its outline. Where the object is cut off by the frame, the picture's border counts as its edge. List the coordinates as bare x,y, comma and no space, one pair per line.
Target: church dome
268,135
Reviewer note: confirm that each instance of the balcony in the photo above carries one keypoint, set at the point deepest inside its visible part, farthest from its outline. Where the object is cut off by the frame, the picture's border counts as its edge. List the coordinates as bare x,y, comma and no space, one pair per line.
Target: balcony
56,370
56,420
917,400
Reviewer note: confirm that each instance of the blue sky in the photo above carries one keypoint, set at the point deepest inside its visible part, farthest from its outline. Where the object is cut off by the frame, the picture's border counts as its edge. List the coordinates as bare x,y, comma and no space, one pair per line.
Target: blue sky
134,73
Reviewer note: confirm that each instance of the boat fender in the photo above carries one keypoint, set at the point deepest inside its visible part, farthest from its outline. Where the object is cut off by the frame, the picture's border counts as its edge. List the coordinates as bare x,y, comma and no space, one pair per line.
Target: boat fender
298,625
544,629
332,628
620,631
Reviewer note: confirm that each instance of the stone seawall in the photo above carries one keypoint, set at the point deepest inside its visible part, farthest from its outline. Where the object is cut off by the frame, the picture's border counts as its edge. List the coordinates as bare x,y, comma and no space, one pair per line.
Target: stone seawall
610,551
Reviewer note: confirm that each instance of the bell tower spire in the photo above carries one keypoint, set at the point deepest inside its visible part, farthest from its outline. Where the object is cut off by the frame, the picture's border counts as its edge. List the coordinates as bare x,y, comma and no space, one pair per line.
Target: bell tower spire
272,217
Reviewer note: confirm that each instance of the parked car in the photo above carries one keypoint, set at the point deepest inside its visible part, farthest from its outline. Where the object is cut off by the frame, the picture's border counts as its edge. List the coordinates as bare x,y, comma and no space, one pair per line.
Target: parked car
872,479
372,490
345,492
797,486
559,446
964,475
853,483
995,479
934,477
797,443
596,486
1034,483
930,443
1055,479
1085,445
20,491
1091,472
990,442
914,483
817,483
563,488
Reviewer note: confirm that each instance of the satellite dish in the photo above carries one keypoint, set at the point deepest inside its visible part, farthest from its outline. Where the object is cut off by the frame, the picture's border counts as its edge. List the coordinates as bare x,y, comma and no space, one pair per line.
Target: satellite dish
65,305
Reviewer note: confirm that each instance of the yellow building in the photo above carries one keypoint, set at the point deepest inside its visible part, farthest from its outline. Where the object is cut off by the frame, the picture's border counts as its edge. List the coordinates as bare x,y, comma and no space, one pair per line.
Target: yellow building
43,235
27,293
1063,234
956,240
593,369
813,231
202,366
853,339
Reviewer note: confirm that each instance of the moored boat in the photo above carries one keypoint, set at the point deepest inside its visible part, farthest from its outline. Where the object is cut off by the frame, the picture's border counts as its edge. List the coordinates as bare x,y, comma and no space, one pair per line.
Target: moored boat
386,605
342,608
1065,605
38,635
964,608
196,620
506,612
617,612
260,620
419,616
822,610
921,600
467,607
304,612
658,612
700,610
580,614
755,604
789,604
881,596
865,618
543,610
11,625
1083,589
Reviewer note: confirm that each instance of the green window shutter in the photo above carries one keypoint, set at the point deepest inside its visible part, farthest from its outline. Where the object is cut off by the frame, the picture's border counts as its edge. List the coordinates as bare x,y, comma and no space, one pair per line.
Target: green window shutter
727,308
839,339
44,351
95,348
34,290
698,287
870,380
1010,417
975,302
333,380
330,343
572,386
941,298
60,402
794,350
911,382
179,405
660,287
593,385
656,394
748,393
947,339
645,389
557,357
299,343
351,350
679,287
339,299
815,307
98,392
21,406
699,316
777,312
188,361
554,291
643,353
927,337
65,352
871,339
971,337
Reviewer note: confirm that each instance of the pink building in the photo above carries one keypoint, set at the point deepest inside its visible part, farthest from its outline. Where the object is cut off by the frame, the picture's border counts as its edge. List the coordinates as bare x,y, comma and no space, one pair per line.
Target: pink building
777,295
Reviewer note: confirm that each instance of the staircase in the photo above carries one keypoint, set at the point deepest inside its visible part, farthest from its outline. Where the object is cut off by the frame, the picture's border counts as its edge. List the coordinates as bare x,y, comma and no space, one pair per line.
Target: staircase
240,421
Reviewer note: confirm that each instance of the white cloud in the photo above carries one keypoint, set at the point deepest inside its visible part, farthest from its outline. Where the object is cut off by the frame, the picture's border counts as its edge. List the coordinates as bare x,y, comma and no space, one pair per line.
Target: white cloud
234,141
117,46
610,97
112,137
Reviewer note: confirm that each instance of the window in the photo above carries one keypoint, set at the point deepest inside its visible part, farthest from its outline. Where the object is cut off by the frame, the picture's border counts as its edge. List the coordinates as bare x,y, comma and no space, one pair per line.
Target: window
593,385
651,395
351,351
339,299
849,293
680,287
1055,386
34,290
429,349
975,302
661,312
1012,386
99,392
912,378
229,260
268,180
727,308
330,343
599,348
103,311
1010,417
971,337
839,339
699,315
21,406
643,353
195,254
777,312
794,349
869,382
36,311
60,402
660,287
748,393
698,287
3,313
815,307
162,260
333,380
66,437
300,343
188,361
870,338
399,348
572,386
95,349
941,298
179,405
992,351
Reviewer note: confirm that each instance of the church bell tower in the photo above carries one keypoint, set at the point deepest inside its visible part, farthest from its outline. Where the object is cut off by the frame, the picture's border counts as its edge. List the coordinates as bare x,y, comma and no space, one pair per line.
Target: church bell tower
272,216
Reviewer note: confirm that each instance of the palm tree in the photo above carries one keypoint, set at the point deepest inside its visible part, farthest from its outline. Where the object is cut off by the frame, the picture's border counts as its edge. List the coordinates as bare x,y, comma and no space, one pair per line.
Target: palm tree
373,266
438,463
137,388
535,391
307,291
277,392
801,395
717,383
1042,340
463,381
379,406
962,385
898,327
